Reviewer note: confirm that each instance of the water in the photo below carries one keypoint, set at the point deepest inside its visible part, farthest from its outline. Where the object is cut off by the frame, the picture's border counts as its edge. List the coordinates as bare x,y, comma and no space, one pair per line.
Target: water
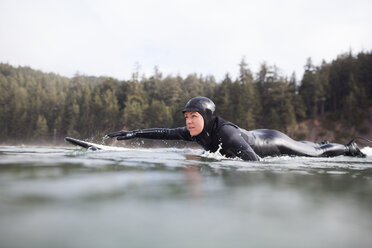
164,197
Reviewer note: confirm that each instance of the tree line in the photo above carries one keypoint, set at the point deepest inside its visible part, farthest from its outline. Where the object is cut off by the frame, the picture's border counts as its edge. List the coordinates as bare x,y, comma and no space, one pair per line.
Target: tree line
38,105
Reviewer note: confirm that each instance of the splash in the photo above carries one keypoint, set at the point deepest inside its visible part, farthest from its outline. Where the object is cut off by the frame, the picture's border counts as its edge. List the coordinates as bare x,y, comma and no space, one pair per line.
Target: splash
367,150
104,138
215,155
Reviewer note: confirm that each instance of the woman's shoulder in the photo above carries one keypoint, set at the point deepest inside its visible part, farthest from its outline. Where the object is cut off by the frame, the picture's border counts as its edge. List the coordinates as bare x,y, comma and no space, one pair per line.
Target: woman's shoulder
225,128
223,124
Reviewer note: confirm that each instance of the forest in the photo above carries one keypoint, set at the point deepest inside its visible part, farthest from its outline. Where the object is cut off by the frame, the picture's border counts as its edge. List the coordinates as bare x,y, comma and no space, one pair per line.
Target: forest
46,106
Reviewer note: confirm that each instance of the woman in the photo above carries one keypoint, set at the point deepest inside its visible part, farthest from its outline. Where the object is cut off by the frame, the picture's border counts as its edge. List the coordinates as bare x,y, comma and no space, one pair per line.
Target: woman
215,134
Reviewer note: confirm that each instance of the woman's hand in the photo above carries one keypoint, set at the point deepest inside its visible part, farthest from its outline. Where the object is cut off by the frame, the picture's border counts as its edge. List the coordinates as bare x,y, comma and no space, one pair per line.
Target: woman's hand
122,135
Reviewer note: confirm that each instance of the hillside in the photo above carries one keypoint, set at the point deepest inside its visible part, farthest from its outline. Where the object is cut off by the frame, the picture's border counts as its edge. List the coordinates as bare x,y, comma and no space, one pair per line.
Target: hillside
322,128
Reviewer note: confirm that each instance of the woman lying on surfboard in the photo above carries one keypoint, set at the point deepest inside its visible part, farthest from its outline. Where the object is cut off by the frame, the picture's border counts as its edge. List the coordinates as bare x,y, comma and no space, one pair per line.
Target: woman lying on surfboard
215,134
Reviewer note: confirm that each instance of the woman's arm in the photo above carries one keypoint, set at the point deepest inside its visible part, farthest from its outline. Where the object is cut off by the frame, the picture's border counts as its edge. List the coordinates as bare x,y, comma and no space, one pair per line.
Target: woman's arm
235,145
180,133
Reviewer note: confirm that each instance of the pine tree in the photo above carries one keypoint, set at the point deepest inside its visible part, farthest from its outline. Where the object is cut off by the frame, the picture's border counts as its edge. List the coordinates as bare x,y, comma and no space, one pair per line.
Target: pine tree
246,100
158,115
41,129
308,88
222,99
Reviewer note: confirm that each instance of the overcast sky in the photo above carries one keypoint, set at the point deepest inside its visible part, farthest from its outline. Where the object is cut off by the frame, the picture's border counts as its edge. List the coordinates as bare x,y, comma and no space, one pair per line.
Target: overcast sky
108,37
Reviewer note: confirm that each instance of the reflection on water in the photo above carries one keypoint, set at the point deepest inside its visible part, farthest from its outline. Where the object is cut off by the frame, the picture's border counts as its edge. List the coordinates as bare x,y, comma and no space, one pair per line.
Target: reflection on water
67,197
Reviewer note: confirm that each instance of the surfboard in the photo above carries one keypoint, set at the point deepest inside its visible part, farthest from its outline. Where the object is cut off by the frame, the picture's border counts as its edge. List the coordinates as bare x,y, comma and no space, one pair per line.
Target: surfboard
93,146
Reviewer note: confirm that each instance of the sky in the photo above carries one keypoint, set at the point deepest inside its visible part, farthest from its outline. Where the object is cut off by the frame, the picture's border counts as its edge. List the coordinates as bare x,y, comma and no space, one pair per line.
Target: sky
208,37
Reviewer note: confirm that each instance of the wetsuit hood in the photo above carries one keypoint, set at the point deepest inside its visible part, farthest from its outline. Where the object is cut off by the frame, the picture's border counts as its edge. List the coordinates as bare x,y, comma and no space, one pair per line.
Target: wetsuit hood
206,108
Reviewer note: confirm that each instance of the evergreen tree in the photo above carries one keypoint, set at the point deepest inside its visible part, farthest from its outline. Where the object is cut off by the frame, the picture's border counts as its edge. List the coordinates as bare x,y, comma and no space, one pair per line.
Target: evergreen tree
297,101
322,87
135,105
41,129
308,88
246,101
158,115
222,99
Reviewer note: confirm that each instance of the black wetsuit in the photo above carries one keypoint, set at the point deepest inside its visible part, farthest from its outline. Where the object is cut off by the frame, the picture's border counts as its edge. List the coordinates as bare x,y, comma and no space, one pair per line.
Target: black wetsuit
232,141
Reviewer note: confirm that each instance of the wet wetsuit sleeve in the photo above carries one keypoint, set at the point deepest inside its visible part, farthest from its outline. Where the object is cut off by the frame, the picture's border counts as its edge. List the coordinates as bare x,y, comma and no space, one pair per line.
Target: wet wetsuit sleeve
180,133
235,145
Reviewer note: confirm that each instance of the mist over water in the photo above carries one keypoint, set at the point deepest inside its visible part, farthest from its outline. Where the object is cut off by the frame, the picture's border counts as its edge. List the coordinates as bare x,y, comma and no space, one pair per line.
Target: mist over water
168,197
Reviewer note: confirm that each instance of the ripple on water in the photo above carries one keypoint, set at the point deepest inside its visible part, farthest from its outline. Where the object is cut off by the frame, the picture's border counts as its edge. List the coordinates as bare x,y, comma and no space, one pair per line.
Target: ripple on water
68,197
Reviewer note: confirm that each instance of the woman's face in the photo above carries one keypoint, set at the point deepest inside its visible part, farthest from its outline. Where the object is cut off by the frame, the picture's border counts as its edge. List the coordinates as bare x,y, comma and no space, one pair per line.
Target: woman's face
194,123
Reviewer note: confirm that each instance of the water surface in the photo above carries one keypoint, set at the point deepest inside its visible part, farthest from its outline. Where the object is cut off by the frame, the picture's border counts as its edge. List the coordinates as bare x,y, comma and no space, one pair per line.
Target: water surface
165,197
